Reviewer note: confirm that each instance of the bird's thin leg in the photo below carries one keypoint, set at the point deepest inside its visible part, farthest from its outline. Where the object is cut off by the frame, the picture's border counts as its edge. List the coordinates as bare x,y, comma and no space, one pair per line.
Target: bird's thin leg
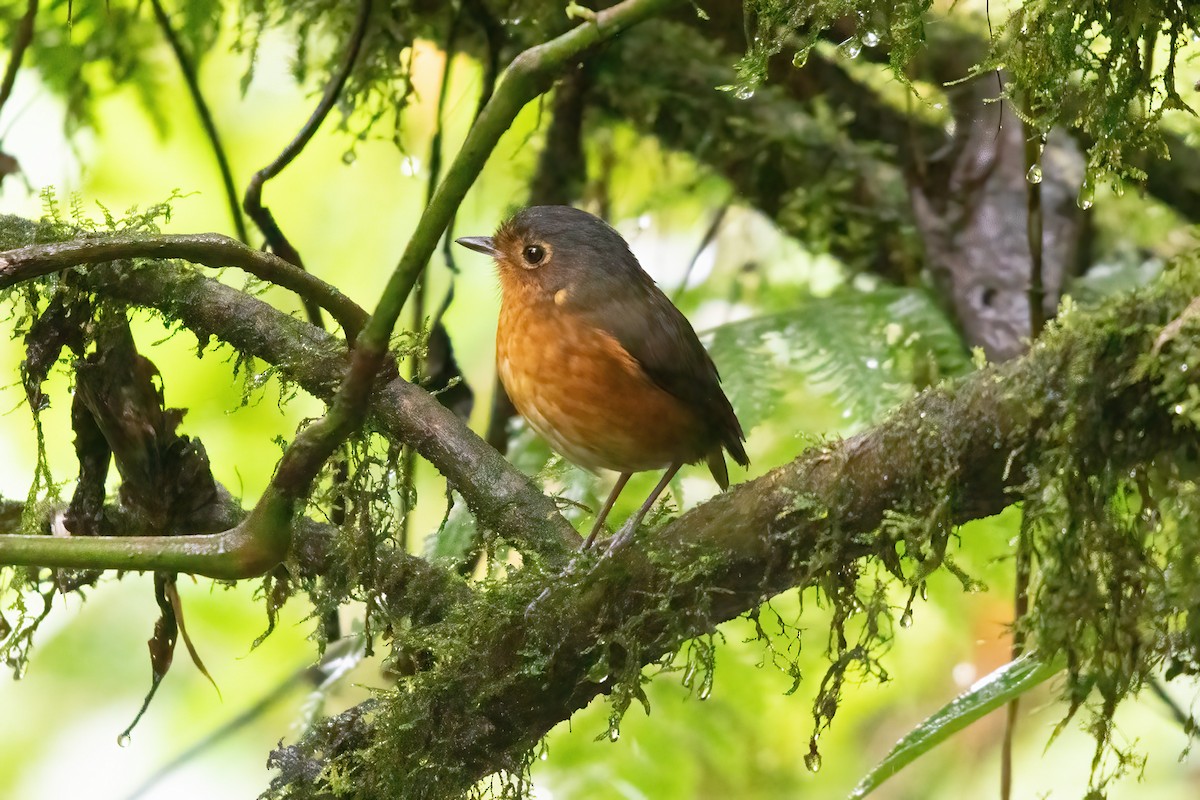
627,530
608,504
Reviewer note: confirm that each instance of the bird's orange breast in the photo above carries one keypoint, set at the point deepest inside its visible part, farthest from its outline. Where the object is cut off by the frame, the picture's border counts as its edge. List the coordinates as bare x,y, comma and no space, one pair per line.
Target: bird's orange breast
587,396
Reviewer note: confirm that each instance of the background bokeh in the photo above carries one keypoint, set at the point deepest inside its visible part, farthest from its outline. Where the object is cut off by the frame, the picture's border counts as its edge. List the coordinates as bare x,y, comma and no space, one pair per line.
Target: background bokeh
350,218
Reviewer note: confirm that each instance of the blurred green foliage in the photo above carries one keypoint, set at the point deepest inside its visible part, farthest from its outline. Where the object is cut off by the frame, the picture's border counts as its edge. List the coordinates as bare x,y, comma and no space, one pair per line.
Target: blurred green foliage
800,364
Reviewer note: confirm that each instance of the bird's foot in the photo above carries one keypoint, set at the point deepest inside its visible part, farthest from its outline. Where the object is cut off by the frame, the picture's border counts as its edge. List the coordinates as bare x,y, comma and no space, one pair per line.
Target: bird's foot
567,572
622,537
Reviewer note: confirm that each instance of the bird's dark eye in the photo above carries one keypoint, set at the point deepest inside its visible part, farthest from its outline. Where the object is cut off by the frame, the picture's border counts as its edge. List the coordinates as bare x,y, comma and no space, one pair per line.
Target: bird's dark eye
534,254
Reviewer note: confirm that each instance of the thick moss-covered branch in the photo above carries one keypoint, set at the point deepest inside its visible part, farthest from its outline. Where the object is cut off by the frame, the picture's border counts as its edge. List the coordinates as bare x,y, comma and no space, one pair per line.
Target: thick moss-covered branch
525,655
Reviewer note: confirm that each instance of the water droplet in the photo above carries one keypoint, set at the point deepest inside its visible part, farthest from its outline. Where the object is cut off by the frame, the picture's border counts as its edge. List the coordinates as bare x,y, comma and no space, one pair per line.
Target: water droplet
545,754
801,58
1087,193
870,38
689,676
872,363
1118,187
1178,408
706,686
410,166
349,157
614,733
851,47
812,761
1183,367
846,414
643,222
1034,175
744,93
123,740
924,591
906,618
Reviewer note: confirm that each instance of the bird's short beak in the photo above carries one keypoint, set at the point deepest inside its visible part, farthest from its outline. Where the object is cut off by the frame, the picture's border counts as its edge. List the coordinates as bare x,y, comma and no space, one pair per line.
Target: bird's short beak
480,244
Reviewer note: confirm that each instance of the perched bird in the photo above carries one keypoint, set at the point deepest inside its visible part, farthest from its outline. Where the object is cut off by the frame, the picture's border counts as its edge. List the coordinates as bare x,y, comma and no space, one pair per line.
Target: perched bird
598,360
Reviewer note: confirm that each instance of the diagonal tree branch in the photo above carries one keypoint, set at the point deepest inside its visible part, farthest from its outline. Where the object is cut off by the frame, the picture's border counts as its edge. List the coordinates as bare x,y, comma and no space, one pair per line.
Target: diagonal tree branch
956,453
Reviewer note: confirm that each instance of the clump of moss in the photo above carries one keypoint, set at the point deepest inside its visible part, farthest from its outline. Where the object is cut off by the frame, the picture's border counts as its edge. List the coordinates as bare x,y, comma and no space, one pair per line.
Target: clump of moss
1116,584
1107,69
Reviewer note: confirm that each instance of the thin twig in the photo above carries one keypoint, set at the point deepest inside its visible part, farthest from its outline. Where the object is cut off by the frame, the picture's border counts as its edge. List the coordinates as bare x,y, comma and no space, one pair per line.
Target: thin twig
705,241
1033,229
208,249
252,202
21,42
1020,610
206,119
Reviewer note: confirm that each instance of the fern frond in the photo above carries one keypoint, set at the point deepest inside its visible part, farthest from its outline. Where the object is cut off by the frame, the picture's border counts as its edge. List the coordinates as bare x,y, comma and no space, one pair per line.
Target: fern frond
867,350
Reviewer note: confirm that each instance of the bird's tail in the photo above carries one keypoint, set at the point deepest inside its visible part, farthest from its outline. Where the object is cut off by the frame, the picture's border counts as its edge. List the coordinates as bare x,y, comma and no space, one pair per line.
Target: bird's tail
716,465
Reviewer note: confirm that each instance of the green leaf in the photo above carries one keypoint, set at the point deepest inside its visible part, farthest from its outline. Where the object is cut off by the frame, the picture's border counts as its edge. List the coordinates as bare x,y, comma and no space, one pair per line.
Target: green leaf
1005,684
869,350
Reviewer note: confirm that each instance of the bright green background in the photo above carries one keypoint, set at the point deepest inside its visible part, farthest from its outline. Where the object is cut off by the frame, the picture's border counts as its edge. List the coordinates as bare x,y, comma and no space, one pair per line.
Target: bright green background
58,725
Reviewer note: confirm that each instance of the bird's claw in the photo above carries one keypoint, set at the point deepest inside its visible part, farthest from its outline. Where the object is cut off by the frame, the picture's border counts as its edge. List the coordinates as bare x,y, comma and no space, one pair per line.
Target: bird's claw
622,537
567,572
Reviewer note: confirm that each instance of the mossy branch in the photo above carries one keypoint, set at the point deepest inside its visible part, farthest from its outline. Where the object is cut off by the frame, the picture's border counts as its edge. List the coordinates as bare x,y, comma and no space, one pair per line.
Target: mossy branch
208,249
502,498
519,659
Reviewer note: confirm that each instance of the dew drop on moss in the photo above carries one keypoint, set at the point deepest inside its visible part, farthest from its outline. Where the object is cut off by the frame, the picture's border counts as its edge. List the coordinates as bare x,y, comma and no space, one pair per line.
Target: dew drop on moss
812,761
1087,194
1034,175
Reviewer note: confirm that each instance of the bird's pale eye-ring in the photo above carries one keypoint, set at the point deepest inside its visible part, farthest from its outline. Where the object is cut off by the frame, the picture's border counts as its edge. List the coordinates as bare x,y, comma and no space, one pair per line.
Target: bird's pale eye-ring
534,255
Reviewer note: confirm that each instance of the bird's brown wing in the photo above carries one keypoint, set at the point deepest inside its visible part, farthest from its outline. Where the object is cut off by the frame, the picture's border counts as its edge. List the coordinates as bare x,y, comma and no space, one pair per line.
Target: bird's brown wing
660,338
